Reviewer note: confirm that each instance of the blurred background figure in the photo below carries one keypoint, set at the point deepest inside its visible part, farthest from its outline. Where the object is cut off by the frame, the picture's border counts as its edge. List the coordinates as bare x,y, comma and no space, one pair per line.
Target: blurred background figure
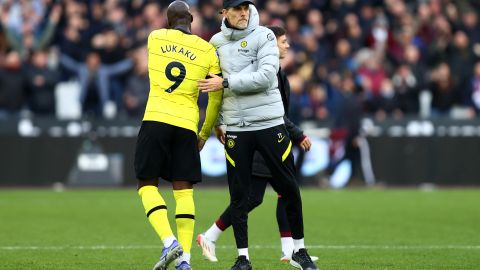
349,151
137,86
12,85
41,81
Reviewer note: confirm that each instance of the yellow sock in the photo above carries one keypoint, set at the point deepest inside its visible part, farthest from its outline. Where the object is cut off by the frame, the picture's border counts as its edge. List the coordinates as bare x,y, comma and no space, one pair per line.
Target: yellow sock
156,210
185,217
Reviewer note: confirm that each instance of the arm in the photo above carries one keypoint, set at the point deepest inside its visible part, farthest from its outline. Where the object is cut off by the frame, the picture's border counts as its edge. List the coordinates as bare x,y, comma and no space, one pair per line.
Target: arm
69,63
12,39
49,31
214,99
297,135
295,132
268,64
119,67
213,109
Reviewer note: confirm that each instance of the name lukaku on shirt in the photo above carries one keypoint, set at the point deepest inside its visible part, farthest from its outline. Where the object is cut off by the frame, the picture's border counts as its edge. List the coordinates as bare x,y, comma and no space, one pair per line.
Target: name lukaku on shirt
177,49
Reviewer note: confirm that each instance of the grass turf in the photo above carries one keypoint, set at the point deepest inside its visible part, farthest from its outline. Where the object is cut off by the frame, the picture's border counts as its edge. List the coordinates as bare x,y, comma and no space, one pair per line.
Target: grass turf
348,229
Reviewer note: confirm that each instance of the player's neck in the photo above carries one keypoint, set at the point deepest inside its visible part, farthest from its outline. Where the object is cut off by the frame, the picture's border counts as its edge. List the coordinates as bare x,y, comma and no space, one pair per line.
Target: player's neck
184,28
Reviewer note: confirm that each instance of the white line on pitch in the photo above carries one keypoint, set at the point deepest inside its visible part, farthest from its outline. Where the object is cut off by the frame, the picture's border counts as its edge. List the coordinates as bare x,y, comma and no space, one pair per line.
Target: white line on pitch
375,247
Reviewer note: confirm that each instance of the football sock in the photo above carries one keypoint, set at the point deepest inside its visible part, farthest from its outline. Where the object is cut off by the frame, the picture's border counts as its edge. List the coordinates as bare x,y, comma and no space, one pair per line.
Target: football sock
156,211
298,244
185,257
287,245
185,217
168,241
213,232
243,252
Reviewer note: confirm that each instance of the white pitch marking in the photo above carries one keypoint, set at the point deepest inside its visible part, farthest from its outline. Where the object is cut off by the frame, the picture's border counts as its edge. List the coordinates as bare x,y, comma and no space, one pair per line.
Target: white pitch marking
375,247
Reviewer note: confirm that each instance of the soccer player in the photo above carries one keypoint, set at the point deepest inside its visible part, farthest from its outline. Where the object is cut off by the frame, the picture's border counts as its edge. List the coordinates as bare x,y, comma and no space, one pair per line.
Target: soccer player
167,144
261,175
252,110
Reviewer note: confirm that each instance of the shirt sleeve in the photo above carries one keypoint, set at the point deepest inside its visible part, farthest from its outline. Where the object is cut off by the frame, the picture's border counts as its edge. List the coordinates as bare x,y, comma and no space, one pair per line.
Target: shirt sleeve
215,64
213,108
214,99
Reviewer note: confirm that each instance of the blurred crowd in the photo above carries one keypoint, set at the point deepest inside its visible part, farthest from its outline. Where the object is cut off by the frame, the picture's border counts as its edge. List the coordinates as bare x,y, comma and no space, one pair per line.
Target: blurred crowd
392,58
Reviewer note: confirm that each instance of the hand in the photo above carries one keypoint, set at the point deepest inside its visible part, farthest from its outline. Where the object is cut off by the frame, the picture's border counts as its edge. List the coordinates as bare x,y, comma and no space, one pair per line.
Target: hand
131,102
38,80
220,133
56,13
356,142
200,143
306,144
211,84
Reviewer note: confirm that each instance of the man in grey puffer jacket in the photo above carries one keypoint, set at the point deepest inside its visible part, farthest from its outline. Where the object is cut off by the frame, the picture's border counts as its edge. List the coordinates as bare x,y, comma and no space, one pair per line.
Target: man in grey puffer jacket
253,112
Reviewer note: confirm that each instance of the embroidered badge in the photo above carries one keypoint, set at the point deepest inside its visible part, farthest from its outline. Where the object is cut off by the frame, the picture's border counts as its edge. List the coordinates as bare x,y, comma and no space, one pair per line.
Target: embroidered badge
230,143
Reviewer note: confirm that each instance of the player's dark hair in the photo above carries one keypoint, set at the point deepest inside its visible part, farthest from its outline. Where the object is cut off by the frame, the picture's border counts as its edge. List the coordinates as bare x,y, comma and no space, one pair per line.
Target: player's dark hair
278,31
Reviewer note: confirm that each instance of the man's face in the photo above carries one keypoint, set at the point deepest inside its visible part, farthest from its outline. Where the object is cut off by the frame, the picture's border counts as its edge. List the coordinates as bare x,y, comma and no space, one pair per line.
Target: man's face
282,43
238,16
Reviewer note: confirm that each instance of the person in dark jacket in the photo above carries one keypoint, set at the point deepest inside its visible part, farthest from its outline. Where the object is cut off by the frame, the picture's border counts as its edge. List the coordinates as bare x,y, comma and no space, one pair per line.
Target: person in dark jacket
12,85
261,174
41,81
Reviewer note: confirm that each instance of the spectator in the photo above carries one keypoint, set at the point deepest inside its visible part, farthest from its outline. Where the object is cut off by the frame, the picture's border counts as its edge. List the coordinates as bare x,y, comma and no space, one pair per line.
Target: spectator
442,34
471,26
317,96
346,126
387,102
475,92
299,110
443,90
461,59
371,75
41,81
342,61
137,88
25,35
94,78
406,90
75,40
12,85
419,71
112,56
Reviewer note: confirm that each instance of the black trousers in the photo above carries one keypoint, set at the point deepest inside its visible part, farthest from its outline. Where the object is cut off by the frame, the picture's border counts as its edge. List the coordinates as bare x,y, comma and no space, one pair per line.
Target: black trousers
255,198
275,147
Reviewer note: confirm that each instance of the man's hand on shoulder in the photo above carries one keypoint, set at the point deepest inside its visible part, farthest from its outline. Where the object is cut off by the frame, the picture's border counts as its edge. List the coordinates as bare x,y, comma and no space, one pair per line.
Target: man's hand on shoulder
214,83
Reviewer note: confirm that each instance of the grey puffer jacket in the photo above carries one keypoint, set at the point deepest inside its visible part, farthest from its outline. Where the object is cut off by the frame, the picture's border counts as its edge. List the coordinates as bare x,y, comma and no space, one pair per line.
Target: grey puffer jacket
249,59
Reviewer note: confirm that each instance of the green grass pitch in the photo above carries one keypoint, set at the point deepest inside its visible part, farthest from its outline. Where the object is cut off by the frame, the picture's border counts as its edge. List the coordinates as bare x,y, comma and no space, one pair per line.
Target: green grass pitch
348,229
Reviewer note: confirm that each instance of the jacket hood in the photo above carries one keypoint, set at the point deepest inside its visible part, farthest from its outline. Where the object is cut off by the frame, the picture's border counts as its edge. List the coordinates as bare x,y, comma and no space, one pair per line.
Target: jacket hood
235,34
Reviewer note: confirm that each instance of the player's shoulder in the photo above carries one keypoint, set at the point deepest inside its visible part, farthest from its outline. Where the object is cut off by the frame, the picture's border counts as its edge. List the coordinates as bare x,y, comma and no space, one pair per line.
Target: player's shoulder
157,36
158,33
200,42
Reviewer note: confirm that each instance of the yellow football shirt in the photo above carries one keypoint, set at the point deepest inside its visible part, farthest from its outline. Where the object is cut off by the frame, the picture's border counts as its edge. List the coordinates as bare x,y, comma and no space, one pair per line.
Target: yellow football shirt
176,61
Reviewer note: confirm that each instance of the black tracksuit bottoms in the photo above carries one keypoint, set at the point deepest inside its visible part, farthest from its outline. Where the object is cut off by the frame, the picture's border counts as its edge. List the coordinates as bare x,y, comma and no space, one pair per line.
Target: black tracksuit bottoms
275,147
